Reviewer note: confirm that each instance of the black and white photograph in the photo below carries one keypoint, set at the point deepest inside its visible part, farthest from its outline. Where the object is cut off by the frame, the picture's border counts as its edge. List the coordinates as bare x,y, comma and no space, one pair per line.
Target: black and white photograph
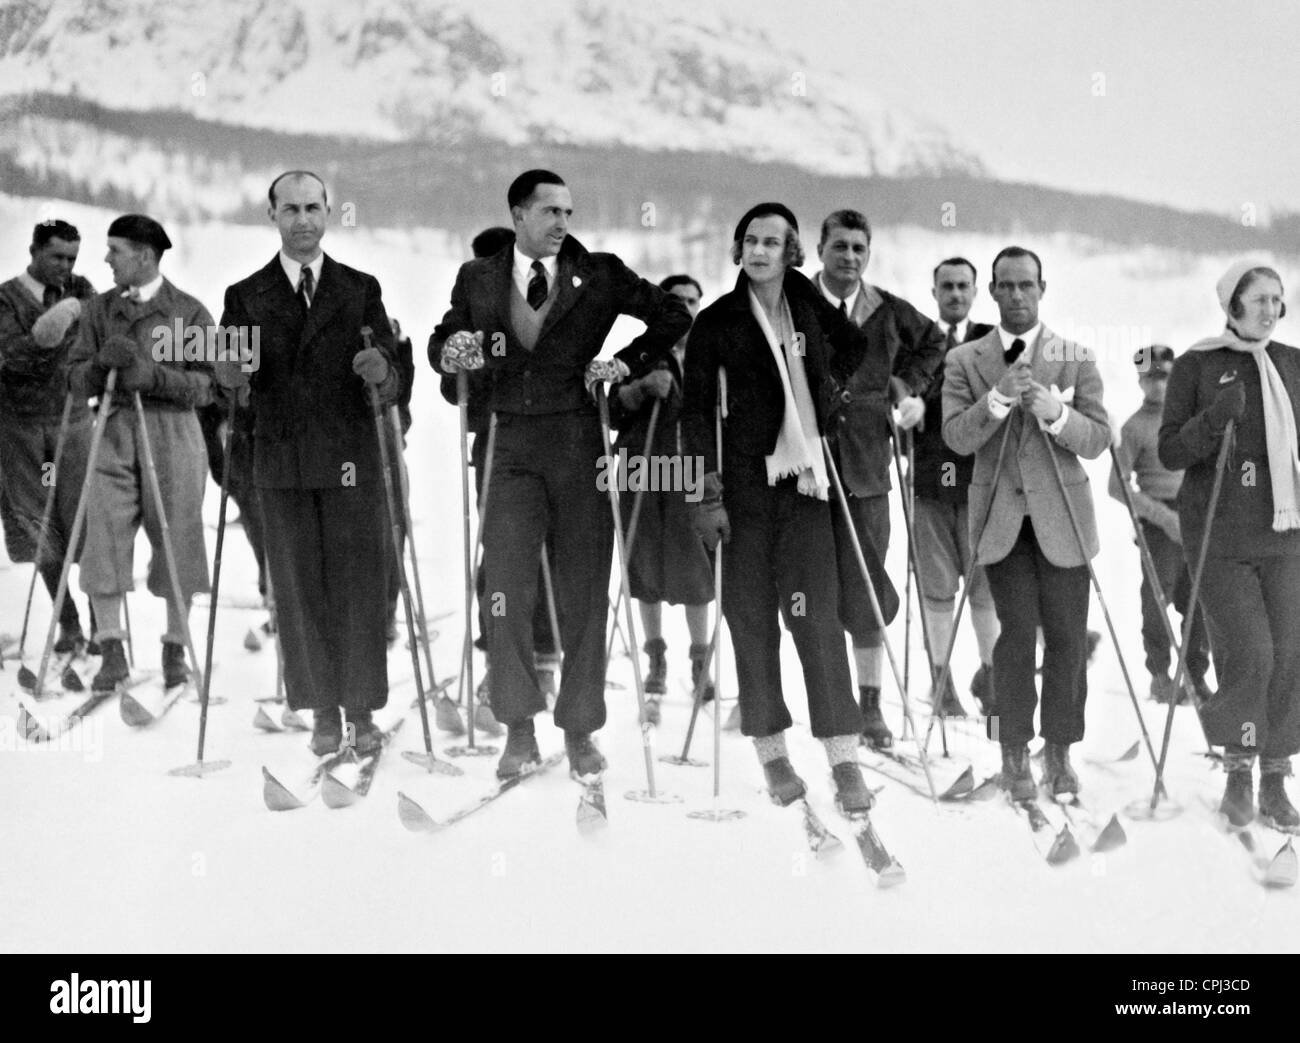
711,476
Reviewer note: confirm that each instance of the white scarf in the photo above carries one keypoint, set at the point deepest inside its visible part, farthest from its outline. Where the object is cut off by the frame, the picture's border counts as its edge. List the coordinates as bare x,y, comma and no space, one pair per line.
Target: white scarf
1279,426
794,452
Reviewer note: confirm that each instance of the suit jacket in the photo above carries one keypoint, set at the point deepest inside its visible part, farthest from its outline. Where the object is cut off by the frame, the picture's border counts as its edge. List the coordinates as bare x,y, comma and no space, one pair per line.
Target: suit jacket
941,474
312,415
904,354
727,334
1027,484
593,290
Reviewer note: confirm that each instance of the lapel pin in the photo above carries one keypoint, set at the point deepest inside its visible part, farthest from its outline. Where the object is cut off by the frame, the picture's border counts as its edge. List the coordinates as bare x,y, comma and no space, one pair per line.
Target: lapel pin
576,282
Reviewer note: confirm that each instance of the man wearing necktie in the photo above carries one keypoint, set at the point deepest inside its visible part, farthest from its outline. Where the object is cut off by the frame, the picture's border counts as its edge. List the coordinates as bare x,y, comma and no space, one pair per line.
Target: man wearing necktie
39,311
904,354
939,513
121,330
316,463
1043,394
533,318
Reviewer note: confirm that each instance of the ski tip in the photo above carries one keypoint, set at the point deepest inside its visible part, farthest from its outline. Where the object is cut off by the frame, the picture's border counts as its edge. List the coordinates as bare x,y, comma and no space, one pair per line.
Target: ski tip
71,680
733,720
133,713
1063,849
433,765
1131,753
276,795
30,728
26,679
414,817
253,640
334,794
891,876
263,721
1111,836
1282,871
447,717
988,789
962,785
592,817
290,719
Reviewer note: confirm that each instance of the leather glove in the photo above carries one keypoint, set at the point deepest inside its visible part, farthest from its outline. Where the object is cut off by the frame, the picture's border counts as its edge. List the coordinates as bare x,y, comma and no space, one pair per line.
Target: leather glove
709,518
370,366
1228,404
118,352
50,329
600,371
462,351
658,383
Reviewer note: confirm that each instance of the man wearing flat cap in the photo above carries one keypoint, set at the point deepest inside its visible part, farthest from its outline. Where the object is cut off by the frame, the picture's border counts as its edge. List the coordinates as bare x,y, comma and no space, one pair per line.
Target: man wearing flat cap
122,329
39,310
316,463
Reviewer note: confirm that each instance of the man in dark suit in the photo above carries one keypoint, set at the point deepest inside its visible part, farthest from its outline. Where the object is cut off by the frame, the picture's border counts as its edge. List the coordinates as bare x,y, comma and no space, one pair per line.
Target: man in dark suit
535,316
316,463
1020,381
903,357
939,514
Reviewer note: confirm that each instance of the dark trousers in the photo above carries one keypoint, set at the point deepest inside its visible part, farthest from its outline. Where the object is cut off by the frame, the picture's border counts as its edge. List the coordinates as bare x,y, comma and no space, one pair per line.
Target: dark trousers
543,635
544,482
780,564
871,522
1171,570
328,552
1253,606
240,486
1029,592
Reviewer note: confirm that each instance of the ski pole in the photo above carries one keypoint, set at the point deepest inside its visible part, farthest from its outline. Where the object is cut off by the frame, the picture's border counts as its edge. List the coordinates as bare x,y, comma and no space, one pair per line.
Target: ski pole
1157,589
78,521
428,760
945,672
165,533
199,768
25,677
637,499
467,648
1096,586
602,401
1220,469
875,605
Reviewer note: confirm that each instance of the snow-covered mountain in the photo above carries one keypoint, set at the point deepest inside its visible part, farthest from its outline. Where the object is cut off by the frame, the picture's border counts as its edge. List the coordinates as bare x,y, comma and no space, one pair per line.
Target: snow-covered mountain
674,75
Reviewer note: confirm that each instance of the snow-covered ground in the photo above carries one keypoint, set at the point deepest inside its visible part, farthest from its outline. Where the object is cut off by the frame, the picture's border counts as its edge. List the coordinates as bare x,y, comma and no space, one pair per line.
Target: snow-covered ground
105,851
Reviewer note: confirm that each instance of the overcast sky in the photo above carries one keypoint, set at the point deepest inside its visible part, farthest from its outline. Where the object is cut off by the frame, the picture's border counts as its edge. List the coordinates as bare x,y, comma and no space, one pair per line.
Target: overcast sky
1200,98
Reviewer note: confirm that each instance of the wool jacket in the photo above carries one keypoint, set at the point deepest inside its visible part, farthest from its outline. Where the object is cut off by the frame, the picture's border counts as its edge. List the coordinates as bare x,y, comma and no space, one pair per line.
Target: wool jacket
940,473
34,380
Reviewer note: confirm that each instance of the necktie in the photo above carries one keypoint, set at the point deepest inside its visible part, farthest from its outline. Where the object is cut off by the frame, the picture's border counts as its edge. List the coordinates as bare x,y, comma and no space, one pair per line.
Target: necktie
1015,351
305,288
51,296
951,340
537,286
844,309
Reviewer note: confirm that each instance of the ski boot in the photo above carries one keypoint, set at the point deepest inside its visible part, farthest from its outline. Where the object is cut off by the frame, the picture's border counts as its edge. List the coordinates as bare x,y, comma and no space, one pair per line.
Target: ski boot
875,732
175,672
783,785
851,794
71,639
521,750
1017,778
1275,810
698,655
584,758
326,731
1238,804
949,704
364,735
112,669
1058,775
981,687
657,675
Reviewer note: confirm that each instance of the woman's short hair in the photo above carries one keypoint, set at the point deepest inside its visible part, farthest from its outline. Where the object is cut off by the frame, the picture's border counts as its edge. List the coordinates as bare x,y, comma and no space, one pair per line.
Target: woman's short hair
792,255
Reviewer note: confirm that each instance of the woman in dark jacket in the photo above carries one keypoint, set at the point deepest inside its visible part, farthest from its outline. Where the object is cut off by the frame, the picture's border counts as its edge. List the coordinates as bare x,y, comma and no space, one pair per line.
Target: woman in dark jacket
667,562
1250,589
784,351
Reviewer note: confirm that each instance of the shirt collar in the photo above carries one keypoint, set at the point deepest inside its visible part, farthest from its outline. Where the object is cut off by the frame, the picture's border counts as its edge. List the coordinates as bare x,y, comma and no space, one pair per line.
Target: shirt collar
147,292
960,329
1030,337
35,288
293,269
524,266
849,302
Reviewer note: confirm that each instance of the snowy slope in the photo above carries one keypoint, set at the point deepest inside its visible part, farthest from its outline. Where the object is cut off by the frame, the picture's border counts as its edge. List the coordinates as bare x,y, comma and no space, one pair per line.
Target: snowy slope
674,75
117,855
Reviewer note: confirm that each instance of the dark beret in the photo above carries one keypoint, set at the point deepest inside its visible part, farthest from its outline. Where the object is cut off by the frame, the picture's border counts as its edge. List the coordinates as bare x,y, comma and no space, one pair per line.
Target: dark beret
140,229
